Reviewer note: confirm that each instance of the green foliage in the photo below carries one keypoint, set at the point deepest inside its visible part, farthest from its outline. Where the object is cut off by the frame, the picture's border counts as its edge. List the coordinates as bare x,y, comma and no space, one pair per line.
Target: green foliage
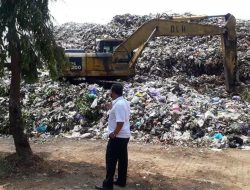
26,25
83,105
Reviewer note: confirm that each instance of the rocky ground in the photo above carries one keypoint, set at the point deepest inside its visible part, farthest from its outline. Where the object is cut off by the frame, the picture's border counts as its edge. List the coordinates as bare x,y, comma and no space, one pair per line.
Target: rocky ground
177,96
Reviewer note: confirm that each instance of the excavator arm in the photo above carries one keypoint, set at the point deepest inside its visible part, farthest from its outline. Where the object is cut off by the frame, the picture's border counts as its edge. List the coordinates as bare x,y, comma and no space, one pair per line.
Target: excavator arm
178,27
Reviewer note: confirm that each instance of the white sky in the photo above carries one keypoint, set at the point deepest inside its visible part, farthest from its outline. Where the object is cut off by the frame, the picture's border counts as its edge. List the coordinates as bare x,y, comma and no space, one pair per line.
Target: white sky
102,11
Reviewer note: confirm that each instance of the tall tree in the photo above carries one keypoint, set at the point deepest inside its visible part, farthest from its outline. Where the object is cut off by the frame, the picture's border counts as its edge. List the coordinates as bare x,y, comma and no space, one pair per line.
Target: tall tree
26,37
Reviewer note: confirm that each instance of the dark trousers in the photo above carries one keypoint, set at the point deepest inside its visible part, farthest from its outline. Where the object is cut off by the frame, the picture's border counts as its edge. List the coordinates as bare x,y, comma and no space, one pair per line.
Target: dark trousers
117,151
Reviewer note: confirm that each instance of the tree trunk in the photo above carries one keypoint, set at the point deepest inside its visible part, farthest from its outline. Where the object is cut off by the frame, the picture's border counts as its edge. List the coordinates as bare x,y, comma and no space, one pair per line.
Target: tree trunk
22,145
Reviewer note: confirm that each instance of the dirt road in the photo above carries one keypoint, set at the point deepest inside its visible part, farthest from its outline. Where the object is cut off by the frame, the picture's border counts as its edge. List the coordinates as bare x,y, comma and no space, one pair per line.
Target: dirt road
80,165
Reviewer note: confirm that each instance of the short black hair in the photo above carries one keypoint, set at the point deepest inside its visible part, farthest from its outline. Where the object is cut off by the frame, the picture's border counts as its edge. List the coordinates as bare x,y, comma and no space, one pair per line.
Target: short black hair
117,88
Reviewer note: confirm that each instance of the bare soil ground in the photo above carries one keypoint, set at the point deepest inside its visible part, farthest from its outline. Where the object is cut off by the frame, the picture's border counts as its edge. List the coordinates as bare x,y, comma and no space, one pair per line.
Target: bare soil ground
80,165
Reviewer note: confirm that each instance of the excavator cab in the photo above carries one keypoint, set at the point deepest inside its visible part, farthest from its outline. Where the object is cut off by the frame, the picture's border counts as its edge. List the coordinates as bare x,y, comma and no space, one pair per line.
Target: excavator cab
107,45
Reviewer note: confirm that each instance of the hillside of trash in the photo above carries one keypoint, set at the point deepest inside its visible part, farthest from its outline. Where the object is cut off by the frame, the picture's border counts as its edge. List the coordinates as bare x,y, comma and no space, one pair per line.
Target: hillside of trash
177,97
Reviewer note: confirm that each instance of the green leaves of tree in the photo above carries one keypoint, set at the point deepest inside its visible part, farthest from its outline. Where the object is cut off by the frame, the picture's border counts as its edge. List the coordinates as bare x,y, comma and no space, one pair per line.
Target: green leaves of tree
31,21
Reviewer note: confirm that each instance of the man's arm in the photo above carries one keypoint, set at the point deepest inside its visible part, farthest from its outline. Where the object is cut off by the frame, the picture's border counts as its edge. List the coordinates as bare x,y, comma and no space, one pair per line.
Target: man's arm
119,126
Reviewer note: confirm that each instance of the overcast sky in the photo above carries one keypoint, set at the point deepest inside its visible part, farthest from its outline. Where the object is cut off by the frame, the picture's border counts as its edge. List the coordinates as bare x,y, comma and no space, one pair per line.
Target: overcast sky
102,11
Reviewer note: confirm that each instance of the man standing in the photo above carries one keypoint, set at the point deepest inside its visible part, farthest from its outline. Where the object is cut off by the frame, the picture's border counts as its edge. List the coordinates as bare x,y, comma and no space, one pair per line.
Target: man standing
119,134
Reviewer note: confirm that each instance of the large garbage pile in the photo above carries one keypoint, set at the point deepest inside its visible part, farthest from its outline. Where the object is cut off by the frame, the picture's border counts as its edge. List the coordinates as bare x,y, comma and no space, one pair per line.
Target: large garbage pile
168,105
164,111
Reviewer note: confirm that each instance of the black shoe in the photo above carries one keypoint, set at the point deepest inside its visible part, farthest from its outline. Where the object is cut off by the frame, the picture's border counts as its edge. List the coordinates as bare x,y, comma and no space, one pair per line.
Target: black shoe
119,184
103,188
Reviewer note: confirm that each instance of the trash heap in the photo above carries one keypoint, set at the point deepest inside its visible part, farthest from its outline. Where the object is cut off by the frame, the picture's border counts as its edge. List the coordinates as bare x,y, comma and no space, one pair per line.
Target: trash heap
168,111
177,96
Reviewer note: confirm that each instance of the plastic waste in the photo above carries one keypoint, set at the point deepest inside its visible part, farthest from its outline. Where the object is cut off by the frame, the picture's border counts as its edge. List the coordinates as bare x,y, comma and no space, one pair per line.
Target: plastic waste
235,142
209,114
92,96
162,99
215,100
153,92
197,132
42,128
238,98
138,124
78,117
93,90
94,103
245,128
139,94
218,136
176,108
135,100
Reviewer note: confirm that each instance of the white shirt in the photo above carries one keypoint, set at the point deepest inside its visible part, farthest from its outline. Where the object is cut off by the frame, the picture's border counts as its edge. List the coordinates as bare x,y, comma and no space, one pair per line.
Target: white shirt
120,112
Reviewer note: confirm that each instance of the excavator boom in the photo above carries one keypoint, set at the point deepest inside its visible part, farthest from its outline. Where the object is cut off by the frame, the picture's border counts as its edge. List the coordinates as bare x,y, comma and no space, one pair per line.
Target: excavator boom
176,27
192,18
163,28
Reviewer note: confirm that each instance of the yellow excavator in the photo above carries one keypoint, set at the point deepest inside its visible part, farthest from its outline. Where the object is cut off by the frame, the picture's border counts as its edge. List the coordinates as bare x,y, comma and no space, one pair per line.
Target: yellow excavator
117,58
